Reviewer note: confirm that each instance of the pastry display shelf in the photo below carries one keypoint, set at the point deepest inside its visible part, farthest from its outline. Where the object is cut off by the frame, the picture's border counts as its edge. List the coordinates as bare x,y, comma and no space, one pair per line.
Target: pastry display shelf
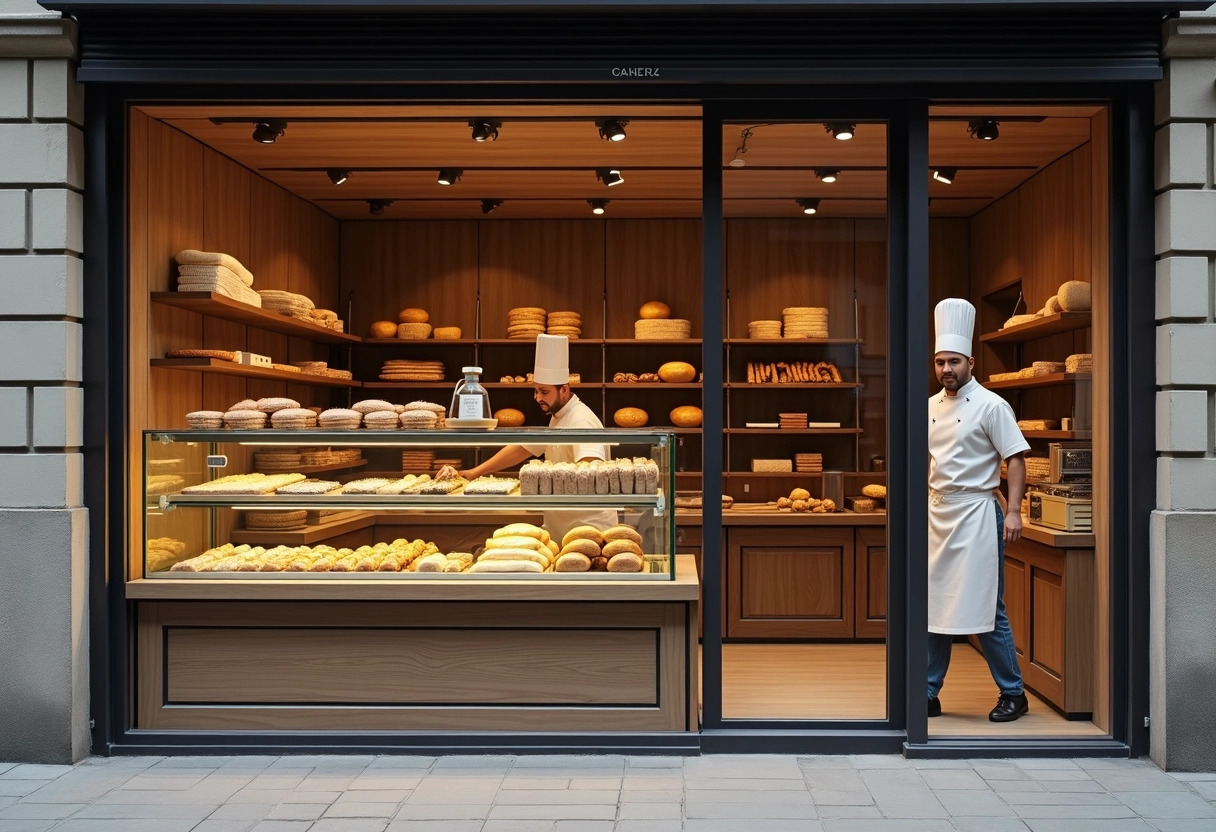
775,385
1039,328
231,368
429,502
315,469
409,385
434,438
222,306
790,341
792,431
1050,380
648,342
1071,435
419,342
652,385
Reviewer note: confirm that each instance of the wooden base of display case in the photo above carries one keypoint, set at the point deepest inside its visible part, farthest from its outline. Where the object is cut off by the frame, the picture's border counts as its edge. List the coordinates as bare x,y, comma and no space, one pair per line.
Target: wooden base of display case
451,655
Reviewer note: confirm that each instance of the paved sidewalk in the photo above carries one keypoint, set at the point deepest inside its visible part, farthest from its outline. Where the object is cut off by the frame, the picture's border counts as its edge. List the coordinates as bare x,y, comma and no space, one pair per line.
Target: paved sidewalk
601,794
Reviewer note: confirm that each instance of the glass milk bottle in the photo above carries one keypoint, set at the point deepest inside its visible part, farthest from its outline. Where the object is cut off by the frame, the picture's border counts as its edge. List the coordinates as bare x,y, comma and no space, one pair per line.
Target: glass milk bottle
470,400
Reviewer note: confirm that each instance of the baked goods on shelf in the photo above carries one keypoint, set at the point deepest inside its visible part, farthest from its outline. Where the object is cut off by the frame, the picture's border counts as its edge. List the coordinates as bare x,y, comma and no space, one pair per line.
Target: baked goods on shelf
662,329
686,416
413,331
677,372
768,330
214,271
804,322
447,333
413,315
630,417
160,553
292,304
411,370
808,463
245,419
222,355
615,476
509,417
1038,424
492,485
205,420
797,372
875,491
793,421
244,484
654,310
383,329
575,378
1075,296
772,466
636,378
525,322
1081,362
293,418
339,418
569,324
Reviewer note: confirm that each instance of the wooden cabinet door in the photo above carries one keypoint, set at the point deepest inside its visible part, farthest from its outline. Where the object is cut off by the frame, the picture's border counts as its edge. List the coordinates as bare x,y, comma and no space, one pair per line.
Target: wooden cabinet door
1044,668
688,542
1017,601
789,583
870,610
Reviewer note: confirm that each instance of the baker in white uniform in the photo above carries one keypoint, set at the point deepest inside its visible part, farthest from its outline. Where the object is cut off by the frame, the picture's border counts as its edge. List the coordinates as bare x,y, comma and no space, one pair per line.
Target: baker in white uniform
551,391
971,429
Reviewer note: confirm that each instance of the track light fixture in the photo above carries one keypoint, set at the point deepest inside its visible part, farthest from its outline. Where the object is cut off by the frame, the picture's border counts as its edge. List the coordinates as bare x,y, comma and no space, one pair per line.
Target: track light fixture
809,206
827,175
612,129
268,130
337,175
449,176
985,129
842,131
945,175
488,205
609,176
376,207
597,205
485,130
741,150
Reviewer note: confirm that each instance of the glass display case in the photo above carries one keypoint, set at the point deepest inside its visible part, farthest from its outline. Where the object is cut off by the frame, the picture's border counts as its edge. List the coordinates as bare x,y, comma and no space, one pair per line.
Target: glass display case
370,505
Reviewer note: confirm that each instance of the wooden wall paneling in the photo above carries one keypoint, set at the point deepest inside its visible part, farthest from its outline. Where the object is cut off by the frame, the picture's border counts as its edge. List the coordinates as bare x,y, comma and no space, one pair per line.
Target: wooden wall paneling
1049,231
139,336
391,266
871,283
552,264
1104,399
772,264
272,262
996,260
652,260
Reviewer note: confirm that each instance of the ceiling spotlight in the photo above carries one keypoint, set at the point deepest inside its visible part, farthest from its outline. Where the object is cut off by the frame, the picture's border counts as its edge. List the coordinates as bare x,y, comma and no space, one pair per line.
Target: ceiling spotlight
612,129
266,132
597,205
485,131
985,129
449,176
376,207
841,130
945,175
338,175
827,175
741,150
808,206
609,176
488,205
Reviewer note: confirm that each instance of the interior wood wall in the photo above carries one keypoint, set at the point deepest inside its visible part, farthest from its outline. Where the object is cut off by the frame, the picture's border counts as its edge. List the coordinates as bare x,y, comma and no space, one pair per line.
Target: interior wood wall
185,195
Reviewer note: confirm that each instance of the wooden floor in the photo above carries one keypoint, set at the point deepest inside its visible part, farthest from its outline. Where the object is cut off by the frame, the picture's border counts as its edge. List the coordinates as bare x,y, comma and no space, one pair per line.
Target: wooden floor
848,681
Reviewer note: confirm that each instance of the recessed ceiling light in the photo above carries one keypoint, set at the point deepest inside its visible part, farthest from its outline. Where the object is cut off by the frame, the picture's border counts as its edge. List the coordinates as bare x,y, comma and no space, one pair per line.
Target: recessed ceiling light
612,129
945,175
985,129
449,176
827,174
808,205
841,130
338,175
269,130
597,205
609,176
488,205
485,130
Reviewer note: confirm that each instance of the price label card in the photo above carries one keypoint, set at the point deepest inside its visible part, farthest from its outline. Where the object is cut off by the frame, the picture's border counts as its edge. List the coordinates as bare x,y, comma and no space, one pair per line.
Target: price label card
470,406
217,461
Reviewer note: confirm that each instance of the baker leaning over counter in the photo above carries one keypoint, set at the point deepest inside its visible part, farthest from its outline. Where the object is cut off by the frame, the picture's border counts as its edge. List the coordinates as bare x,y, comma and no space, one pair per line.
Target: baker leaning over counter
552,393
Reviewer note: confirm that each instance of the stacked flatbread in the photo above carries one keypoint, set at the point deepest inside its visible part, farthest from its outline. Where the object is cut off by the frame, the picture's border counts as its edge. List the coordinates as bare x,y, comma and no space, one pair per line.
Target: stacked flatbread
205,420
417,459
328,319
245,419
339,418
808,463
288,303
422,416
662,329
1047,368
764,330
222,355
276,520
409,370
804,322
796,421
314,368
569,324
1081,362
326,456
280,459
524,323
214,271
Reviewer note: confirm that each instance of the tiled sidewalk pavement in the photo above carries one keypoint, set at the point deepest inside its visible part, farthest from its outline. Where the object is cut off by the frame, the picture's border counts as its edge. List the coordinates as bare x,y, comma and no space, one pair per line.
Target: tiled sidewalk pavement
601,794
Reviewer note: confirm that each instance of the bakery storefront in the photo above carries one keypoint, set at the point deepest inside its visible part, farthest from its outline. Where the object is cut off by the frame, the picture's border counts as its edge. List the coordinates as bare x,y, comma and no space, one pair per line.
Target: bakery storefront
308,227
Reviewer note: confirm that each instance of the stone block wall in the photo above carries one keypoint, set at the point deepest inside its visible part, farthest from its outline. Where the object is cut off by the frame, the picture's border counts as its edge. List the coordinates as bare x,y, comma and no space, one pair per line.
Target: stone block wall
1183,556
44,554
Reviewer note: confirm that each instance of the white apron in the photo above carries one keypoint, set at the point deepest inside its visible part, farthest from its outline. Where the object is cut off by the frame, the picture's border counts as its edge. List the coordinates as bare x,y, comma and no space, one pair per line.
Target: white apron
963,554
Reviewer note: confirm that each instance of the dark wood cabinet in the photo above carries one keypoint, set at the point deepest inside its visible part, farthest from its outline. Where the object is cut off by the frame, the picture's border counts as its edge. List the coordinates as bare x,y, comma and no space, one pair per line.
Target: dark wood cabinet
870,610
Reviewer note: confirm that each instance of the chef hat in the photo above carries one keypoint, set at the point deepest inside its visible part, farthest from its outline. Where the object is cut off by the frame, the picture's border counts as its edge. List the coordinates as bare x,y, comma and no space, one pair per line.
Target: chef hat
552,360
955,320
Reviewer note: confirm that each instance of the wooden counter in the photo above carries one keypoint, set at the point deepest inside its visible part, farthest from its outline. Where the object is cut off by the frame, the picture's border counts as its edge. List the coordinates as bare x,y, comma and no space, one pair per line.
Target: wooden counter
441,655
764,514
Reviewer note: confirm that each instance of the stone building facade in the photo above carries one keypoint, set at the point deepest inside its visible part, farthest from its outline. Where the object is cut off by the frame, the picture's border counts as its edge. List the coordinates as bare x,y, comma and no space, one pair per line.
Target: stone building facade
44,547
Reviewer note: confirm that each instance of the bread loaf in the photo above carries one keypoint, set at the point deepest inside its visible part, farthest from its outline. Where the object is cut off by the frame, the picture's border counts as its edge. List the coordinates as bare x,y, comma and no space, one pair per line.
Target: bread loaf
630,417
507,566
625,562
412,315
677,372
622,532
383,329
519,541
1074,296
616,547
447,333
582,547
686,416
525,529
572,562
511,555
509,417
878,492
583,533
654,309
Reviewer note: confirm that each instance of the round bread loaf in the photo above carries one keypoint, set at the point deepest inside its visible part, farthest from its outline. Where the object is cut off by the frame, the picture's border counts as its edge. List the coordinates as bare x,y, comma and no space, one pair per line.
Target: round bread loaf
273,403
615,547
572,562
686,416
622,532
583,533
800,494
413,331
625,562
509,417
878,492
630,417
677,372
1074,296
245,404
372,406
654,309
412,315
447,333
383,329
589,548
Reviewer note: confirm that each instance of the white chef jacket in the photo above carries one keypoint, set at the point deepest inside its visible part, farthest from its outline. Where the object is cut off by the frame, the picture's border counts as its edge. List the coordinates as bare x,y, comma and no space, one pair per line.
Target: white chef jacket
575,415
969,434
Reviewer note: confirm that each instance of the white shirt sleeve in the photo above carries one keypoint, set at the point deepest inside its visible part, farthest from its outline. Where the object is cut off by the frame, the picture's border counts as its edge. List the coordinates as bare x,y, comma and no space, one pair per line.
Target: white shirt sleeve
1003,430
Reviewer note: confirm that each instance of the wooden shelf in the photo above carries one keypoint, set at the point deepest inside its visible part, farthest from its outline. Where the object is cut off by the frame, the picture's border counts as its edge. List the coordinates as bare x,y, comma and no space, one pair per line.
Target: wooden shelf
1054,537
667,428
649,342
230,368
407,385
222,306
792,431
1052,380
531,342
1075,435
414,342
790,341
349,521
651,385
316,469
1040,328
822,385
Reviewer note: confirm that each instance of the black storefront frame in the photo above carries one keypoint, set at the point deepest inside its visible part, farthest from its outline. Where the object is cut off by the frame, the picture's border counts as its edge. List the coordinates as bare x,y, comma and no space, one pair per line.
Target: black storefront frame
1130,445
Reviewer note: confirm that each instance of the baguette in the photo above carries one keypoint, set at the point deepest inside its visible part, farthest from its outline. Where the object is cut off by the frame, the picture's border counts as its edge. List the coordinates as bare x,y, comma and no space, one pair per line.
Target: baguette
513,555
507,566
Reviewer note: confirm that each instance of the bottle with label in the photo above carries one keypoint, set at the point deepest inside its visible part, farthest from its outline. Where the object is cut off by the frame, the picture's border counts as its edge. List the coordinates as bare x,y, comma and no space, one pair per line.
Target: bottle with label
470,401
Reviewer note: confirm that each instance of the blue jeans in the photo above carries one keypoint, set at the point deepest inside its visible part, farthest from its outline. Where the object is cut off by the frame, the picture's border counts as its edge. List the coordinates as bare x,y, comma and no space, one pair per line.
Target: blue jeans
997,645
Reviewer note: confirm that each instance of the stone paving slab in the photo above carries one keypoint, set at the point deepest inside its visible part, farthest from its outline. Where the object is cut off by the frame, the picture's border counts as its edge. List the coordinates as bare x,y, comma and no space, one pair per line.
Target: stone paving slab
607,793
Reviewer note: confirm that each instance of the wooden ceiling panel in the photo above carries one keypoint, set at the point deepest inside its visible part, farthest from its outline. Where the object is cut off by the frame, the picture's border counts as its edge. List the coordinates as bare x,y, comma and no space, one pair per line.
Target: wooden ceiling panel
1021,144
465,111
515,209
751,182
806,144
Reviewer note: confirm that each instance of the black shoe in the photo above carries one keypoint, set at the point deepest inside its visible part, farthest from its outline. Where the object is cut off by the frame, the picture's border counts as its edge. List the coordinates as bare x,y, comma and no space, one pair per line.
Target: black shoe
935,707
1008,708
